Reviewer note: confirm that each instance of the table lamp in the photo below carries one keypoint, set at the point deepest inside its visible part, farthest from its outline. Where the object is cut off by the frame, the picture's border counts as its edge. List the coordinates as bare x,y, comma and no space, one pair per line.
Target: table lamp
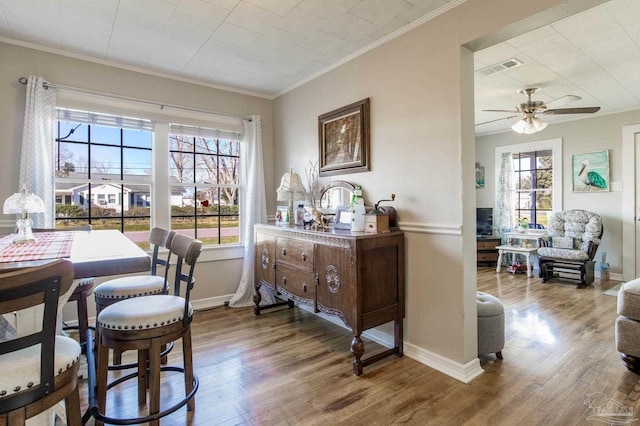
23,203
290,188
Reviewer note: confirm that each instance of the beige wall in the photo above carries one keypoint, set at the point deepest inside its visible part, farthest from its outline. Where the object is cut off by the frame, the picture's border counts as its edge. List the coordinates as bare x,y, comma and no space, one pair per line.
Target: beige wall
214,279
420,139
595,133
422,149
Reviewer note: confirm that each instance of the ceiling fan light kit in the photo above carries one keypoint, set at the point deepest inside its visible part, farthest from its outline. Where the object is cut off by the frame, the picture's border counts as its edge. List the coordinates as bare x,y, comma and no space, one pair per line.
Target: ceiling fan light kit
529,123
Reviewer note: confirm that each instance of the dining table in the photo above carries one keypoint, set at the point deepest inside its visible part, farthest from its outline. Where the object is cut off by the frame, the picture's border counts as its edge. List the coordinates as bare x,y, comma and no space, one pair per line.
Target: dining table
94,253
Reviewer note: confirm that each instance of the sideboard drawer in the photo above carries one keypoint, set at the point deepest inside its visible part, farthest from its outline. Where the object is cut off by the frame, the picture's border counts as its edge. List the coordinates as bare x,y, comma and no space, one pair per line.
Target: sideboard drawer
488,245
296,283
487,257
295,253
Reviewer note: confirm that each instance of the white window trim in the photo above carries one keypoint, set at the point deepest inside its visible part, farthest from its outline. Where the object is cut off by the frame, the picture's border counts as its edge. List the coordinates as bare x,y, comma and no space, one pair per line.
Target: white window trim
160,143
555,145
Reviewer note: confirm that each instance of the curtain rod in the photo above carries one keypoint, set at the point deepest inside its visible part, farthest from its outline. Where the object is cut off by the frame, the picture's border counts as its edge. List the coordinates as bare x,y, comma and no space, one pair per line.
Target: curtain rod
46,85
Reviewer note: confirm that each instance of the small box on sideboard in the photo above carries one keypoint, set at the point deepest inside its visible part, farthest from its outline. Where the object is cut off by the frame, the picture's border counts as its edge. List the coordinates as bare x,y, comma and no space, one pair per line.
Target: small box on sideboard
376,222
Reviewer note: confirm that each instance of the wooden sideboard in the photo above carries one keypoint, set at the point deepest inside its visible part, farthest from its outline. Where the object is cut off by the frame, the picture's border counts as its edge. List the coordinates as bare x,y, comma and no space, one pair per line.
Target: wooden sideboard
358,277
486,249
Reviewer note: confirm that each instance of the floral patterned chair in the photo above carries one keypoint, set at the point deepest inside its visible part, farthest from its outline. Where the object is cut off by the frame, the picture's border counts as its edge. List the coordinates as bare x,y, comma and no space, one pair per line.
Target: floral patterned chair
569,249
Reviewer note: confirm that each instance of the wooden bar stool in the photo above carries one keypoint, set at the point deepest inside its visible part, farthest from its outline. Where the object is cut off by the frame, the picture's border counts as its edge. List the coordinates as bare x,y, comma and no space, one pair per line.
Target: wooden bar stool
39,369
119,289
81,292
146,324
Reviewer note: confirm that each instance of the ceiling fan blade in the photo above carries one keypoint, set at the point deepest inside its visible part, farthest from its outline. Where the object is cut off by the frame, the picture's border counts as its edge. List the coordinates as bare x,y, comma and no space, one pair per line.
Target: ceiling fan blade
498,119
584,110
501,110
562,101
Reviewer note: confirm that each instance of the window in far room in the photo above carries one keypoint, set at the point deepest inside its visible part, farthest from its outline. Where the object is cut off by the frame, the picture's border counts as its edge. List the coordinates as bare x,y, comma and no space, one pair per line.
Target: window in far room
535,190
533,186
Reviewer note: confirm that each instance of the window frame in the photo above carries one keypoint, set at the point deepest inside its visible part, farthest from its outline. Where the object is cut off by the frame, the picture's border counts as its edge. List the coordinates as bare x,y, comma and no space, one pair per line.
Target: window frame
555,145
160,176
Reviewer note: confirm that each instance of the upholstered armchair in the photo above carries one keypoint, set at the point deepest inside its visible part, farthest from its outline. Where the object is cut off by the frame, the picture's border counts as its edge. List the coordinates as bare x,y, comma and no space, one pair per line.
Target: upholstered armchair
572,241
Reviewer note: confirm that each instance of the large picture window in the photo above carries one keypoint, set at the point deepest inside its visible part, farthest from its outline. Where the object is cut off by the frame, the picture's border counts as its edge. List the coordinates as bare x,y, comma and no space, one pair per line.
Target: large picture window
107,170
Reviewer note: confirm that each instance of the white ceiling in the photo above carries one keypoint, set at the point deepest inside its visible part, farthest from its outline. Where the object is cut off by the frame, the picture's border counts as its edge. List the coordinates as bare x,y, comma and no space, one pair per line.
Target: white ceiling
594,54
266,47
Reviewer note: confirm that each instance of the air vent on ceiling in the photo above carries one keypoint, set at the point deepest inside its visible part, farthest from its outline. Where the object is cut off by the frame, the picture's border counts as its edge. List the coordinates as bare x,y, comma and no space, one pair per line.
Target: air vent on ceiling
508,64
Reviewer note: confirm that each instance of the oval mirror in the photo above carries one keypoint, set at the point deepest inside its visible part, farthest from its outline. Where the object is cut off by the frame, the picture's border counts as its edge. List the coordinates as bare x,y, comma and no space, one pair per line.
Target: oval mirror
336,194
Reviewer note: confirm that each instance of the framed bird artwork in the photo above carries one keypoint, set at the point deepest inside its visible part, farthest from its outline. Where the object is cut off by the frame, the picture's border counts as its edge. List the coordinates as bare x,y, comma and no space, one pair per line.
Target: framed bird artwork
591,172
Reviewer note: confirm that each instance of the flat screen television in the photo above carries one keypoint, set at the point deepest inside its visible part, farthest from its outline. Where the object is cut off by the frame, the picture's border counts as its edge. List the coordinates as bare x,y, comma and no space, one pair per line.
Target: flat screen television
484,221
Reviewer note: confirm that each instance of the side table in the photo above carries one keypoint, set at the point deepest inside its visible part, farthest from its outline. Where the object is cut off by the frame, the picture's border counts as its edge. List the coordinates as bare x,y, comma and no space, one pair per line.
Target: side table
526,251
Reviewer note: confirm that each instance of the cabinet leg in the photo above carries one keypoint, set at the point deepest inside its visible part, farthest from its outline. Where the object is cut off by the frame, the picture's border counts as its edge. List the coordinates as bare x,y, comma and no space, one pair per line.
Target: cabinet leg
257,298
398,337
357,349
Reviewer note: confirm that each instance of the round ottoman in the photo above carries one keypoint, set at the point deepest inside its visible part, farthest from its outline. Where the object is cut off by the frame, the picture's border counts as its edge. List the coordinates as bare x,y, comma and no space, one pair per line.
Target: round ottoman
490,325
628,325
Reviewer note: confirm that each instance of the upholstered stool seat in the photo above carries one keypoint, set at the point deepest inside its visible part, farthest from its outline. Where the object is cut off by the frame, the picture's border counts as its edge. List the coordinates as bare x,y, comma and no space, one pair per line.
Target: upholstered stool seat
21,369
627,329
127,287
490,324
156,311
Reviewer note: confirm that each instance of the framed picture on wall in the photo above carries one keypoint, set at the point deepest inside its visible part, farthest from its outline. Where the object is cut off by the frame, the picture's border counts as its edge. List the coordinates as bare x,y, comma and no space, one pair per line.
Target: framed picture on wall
343,136
591,171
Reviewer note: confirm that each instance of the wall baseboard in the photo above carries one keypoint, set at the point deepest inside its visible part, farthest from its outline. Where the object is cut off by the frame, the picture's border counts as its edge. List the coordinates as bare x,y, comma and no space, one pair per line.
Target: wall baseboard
463,372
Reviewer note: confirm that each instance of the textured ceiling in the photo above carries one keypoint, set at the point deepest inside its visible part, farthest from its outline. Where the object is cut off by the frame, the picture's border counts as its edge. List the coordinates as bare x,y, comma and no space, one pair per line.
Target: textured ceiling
594,54
258,46
266,47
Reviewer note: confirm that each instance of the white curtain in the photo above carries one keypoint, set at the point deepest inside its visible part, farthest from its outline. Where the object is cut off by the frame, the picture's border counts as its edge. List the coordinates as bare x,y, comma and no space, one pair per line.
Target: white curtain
254,203
504,210
37,156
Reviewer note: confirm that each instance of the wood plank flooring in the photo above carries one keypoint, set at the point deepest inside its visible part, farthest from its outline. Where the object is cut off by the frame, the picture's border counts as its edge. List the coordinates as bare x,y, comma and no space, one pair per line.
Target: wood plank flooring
289,367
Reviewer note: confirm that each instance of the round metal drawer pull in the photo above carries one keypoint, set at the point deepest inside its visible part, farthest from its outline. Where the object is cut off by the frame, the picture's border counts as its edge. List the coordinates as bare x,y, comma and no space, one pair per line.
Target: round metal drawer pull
304,257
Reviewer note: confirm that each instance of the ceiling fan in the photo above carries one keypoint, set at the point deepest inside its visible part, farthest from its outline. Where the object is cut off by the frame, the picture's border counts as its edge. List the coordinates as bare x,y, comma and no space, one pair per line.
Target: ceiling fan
527,111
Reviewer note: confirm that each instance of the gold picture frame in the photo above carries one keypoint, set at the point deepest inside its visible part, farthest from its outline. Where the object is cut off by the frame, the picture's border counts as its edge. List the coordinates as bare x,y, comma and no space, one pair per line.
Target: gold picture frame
343,136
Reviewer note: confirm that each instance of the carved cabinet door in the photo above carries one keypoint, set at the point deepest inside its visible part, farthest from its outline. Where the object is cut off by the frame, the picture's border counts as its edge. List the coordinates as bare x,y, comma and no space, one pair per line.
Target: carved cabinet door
336,290
265,258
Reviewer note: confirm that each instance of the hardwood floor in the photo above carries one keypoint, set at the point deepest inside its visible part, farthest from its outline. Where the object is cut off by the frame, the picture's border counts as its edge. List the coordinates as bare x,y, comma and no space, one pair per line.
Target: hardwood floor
289,367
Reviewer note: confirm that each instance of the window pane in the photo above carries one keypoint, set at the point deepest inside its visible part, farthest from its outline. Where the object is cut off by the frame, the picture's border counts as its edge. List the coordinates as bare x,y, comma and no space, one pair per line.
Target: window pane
206,146
136,162
70,131
229,170
230,229
136,138
544,179
206,169
544,159
181,166
71,160
524,180
105,135
105,161
181,143
544,200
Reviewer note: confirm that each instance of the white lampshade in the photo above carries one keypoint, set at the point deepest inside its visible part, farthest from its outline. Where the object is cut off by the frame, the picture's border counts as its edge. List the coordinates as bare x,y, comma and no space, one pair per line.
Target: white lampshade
290,186
23,203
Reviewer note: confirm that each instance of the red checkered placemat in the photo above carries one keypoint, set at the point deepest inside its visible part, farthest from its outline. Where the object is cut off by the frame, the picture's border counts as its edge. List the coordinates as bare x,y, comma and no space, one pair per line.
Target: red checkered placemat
48,245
